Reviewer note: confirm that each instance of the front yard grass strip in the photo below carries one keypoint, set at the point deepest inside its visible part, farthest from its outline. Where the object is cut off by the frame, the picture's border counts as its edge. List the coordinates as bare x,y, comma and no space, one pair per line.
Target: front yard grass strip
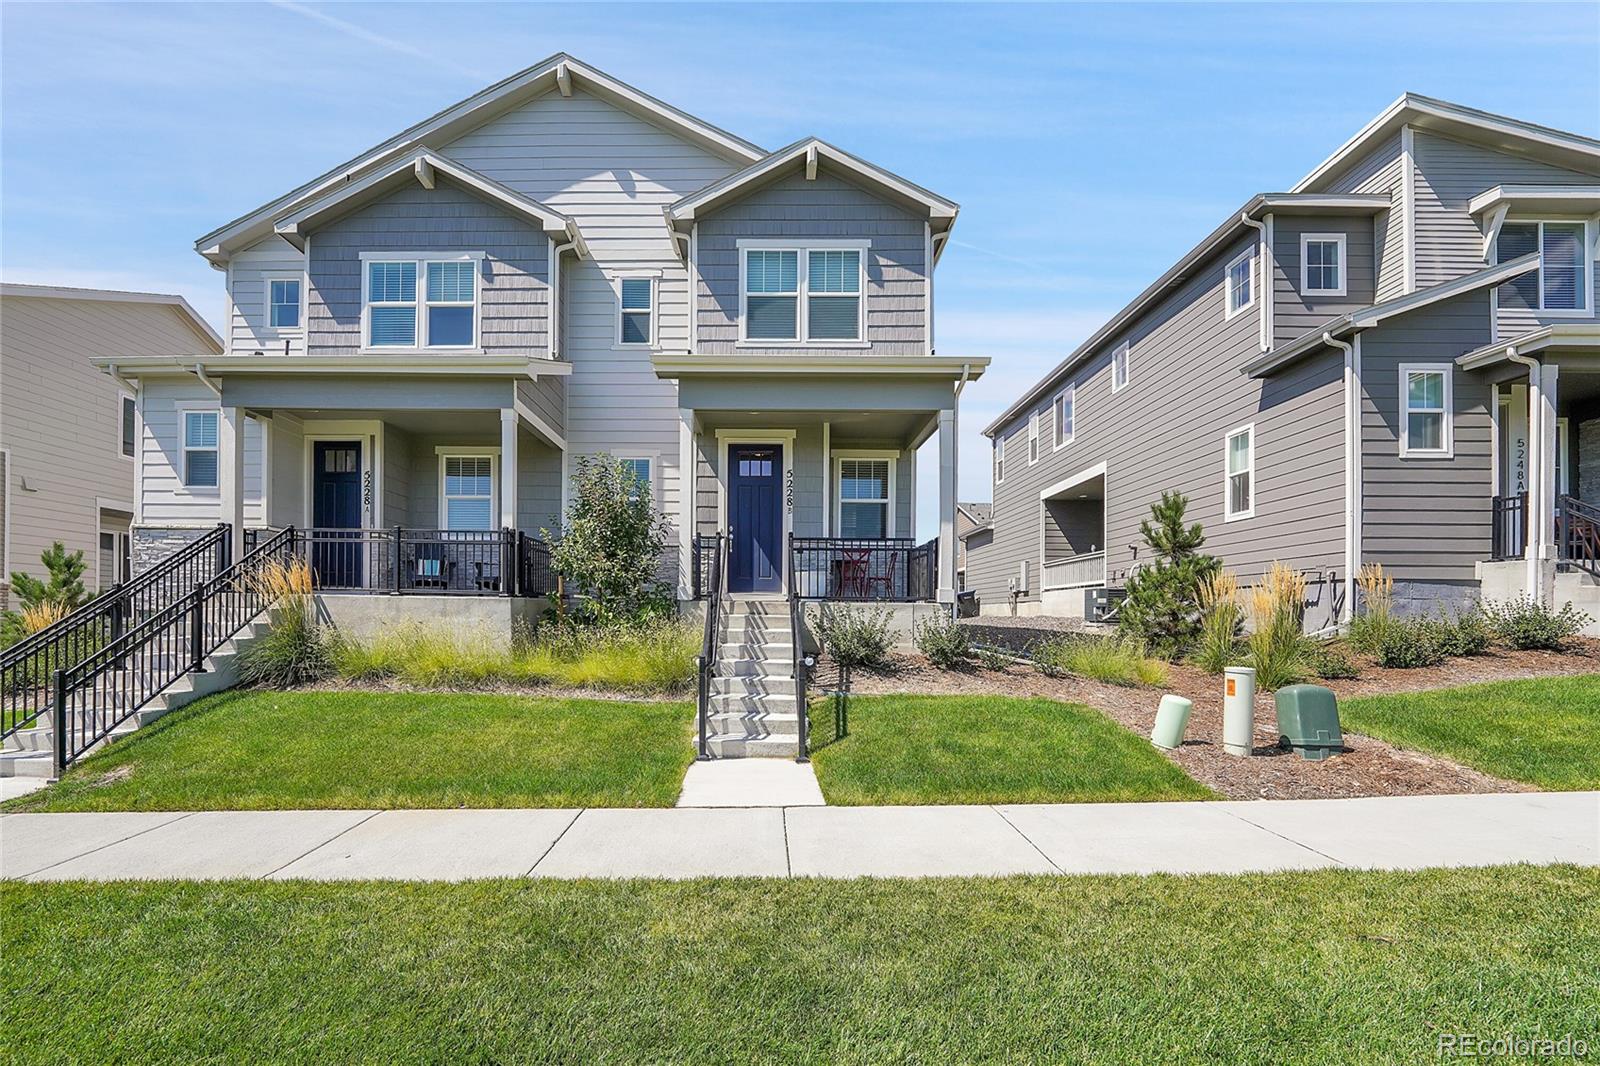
267,750
1331,966
986,749
1544,731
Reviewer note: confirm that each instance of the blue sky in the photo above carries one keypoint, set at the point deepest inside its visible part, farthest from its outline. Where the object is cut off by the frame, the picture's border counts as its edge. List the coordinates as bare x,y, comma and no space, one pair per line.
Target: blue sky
1089,145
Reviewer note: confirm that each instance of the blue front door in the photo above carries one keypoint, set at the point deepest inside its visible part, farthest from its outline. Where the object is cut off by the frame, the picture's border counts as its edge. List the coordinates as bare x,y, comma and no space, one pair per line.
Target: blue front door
755,517
335,505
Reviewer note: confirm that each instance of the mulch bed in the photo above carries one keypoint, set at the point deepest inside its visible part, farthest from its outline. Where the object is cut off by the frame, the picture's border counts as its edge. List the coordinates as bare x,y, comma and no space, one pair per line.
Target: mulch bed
1367,767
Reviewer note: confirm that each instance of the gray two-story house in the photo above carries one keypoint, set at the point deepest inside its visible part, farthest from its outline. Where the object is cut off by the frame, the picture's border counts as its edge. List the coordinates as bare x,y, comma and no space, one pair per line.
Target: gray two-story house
1397,362
422,343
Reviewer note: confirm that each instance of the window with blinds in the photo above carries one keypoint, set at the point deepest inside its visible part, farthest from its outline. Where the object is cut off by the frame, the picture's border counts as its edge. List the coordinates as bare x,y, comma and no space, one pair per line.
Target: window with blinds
422,303
817,305
469,492
864,497
200,449
636,309
833,295
1561,283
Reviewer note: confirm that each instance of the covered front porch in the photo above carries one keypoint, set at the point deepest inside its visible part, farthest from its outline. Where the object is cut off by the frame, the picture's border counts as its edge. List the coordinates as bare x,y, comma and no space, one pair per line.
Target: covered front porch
1072,543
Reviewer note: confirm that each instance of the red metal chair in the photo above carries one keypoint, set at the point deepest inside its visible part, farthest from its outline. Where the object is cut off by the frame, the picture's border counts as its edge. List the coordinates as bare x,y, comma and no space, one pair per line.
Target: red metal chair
884,578
853,572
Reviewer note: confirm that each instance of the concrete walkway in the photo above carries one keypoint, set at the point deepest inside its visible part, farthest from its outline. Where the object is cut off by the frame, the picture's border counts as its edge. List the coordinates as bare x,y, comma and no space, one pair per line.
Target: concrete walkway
1223,837
750,783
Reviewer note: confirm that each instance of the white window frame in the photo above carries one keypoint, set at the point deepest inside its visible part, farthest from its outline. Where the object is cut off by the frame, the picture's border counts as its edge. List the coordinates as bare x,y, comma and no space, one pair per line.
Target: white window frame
123,400
1586,257
654,279
448,452
267,280
184,415
1228,513
1306,239
422,259
802,250
999,457
1034,450
1447,436
1121,356
651,478
839,456
1228,310
1070,394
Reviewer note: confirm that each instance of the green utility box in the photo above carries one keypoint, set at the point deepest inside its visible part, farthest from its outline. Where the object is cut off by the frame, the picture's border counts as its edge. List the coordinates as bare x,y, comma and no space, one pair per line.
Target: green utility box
1308,721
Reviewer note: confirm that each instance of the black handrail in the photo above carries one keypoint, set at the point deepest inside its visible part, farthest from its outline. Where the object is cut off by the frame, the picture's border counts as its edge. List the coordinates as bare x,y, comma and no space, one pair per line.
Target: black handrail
706,661
27,667
802,666
94,696
1578,535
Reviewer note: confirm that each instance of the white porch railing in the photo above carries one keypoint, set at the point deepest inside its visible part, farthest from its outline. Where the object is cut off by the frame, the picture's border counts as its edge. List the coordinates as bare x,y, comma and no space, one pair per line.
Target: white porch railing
1080,571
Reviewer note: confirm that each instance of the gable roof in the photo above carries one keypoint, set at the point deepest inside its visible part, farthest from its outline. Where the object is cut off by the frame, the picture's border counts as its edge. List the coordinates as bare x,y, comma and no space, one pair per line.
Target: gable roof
807,154
423,165
559,73
190,316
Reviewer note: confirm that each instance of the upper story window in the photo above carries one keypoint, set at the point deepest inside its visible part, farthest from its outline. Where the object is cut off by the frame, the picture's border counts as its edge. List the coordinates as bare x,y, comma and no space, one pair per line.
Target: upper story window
200,449
1119,367
1066,401
784,304
636,311
129,425
1561,283
283,303
1425,410
1240,475
1239,283
1033,438
999,459
440,312
1322,264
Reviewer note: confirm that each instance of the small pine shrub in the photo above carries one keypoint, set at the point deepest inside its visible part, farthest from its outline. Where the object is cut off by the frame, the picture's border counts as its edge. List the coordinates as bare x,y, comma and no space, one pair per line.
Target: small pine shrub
1527,624
1221,620
1329,663
1162,608
943,641
855,636
1277,639
1118,660
1465,634
1407,644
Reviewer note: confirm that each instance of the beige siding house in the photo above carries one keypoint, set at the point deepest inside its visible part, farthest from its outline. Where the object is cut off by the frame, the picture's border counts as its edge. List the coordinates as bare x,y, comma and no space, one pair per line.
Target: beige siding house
68,432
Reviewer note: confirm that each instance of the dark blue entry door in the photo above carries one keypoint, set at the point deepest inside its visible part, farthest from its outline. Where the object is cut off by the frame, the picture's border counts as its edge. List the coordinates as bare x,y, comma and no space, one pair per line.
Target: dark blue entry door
755,517
336,505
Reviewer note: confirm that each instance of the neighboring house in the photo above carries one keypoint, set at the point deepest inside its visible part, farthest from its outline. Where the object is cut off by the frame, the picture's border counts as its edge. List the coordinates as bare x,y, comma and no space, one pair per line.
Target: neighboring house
1342,374
971,518
431,336
67,431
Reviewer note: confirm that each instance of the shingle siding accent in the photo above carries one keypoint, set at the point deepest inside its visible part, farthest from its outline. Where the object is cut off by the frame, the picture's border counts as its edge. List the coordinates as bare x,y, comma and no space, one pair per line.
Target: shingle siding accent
828,207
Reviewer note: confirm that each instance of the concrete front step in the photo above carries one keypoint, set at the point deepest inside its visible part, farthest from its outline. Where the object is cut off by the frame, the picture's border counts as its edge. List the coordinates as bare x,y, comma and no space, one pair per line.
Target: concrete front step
731,703
754,747
753,725
754,667
28,764
752,685
755,652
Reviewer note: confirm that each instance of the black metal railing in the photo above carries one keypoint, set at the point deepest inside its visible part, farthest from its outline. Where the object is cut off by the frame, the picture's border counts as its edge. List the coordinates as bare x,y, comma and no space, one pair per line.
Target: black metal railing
802,665
536,574
706,662
1508,537
28,667
702,550
398,560
106,688
855,569
1578,535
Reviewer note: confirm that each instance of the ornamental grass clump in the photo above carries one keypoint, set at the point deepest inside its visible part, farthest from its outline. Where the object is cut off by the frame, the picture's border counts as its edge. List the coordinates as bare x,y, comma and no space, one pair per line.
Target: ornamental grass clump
1376,614
1277,642
294,650
1221,620
1116,660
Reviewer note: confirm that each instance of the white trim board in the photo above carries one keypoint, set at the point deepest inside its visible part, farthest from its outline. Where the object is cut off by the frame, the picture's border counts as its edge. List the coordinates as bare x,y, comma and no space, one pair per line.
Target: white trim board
1086,474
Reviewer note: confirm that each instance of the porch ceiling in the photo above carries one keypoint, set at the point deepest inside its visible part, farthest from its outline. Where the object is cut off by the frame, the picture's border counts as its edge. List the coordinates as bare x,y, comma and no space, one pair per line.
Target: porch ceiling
844,425
469,427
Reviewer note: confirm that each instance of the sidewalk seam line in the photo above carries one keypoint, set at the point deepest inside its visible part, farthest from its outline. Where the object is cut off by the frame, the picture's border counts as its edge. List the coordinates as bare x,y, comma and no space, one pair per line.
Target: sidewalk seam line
546,853
1280,836
323,844
1053,865
102,847
788,863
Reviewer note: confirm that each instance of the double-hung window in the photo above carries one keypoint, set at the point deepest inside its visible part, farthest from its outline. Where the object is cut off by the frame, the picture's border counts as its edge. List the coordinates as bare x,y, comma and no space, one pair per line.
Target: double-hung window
785,304
200,449
1561,283
1119,367
129,425
639,470
1240,474
469,492
1322,264
1425,414
1033,438
636,307
1066,400
283,303
999,459
864,497
1239,283
421,301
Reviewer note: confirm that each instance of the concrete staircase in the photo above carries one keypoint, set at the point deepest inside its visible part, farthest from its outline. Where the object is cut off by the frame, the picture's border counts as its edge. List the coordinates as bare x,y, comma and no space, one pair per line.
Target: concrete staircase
31,752
754,710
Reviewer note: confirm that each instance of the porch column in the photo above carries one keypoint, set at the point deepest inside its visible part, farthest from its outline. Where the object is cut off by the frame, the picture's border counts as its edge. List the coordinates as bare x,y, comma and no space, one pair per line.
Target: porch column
230,476
687,469
947,505
1545,420
509,432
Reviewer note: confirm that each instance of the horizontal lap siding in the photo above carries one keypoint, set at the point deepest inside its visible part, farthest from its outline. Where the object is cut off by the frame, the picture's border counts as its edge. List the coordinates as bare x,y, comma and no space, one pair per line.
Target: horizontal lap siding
828,207
1426,519
1382,170
515,283
547,398
249,271
1166,430
166,500
1293,313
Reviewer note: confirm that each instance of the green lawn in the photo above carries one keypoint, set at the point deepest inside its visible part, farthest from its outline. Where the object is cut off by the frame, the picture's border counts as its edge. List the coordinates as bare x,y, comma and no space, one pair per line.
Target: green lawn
990,749
1544,731
1323,967
279,750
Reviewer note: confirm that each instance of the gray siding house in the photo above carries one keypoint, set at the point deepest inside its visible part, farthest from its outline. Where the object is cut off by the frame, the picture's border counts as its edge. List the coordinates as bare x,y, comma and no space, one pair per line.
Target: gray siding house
1397,362
423,343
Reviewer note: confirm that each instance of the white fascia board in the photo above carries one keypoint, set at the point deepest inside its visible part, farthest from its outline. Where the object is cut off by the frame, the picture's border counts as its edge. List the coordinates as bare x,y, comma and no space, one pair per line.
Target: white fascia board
1283,203
1581,199
953,367
427,365
1067,484
1558,335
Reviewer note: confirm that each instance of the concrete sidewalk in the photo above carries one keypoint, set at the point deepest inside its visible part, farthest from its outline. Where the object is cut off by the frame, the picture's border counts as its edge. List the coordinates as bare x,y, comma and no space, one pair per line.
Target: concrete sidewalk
1223,837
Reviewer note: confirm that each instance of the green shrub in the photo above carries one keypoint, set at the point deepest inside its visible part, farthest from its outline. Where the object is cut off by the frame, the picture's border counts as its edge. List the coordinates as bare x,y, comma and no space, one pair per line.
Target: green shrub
855,636
990,659
1118,660
1162,608
1407,644
1465,634
942,640
1221,621
610,545
1329,663
1277,641
1527,624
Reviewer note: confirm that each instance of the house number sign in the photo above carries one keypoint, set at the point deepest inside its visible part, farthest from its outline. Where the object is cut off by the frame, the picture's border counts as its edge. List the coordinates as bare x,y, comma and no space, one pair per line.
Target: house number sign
366,491
788,491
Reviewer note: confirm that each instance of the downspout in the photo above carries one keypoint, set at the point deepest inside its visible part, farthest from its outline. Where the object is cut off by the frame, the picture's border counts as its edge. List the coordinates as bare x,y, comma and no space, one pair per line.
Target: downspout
1533,514
200,372
1265,257
556,252
1352,456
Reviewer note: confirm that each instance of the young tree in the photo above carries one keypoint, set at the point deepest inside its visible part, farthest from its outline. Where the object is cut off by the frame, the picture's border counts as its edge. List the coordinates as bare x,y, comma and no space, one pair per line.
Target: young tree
64,586
611,543
1163,604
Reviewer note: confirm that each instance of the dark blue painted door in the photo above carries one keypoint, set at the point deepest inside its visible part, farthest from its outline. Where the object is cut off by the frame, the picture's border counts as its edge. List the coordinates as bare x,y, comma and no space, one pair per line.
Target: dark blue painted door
335,505
755,517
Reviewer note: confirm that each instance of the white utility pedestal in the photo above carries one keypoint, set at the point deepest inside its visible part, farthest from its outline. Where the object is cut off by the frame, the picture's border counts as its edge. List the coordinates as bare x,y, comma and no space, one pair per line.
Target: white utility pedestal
1238,710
